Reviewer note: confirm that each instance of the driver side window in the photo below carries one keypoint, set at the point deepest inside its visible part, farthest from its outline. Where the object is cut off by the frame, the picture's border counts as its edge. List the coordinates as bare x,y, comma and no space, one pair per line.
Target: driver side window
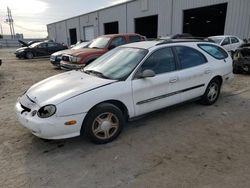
161,61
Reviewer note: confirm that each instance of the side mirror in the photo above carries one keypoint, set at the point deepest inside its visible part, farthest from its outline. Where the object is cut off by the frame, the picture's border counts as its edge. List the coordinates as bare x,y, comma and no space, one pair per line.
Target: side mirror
147,73
111,47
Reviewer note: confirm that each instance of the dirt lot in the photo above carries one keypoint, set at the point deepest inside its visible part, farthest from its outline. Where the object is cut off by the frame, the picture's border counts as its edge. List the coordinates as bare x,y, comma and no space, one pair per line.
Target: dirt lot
186,146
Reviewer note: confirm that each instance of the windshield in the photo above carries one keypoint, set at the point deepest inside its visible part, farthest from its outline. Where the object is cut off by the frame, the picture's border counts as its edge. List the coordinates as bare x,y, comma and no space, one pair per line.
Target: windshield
81,45
100,42
117,64
35,44
217,40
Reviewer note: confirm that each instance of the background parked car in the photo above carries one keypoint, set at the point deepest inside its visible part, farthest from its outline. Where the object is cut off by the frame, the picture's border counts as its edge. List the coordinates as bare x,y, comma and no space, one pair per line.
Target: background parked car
241,59
39,49
228,42
78,58
56,57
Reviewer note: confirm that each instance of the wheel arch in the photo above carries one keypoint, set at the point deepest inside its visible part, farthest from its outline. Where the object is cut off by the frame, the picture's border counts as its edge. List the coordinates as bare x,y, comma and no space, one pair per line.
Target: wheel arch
218,77
116,103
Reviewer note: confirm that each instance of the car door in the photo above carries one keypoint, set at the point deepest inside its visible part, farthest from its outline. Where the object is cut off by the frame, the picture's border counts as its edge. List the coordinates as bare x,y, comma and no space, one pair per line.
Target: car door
235,43
53,47
156,92
226,44
41,49
194,74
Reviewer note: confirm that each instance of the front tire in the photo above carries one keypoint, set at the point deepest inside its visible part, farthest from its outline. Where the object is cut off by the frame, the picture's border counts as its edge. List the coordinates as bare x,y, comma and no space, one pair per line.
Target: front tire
29,55
212,92
103,124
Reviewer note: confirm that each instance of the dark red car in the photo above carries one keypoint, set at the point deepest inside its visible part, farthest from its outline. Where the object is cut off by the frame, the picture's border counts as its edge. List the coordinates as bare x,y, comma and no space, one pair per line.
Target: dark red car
78,58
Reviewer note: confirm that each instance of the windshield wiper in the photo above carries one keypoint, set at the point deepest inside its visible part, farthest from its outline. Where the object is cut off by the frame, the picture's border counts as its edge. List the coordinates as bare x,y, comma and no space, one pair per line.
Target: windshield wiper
96,73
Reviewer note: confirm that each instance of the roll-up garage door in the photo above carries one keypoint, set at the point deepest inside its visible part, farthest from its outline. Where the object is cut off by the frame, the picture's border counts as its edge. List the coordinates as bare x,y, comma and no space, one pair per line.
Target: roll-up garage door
89,33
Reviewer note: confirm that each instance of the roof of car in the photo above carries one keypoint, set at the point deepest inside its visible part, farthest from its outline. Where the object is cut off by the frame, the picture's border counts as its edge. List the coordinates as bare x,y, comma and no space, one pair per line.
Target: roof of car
143,45
150,44
221,36
117,35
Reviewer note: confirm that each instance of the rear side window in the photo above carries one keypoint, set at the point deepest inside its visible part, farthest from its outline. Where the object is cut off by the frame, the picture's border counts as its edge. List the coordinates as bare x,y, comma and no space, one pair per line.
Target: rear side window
52,45
134,38
234,40
189,57
214,51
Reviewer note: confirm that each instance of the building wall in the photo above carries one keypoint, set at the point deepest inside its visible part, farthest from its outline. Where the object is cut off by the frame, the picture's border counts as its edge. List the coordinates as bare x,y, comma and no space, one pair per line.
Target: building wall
117,13
162,8
170,17
61,31
52,32
89,20
237,18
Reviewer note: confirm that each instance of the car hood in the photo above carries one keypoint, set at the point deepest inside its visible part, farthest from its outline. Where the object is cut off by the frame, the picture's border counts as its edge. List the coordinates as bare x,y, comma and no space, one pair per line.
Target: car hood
61,87
22,49
86,51
59,53
23,43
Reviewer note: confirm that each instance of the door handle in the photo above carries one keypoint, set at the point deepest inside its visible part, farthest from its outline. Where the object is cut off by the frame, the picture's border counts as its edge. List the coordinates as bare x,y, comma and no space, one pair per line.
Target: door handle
173,80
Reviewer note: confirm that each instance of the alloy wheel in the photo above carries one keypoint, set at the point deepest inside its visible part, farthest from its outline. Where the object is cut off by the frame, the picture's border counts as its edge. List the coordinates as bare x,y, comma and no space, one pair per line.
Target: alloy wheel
105,125
213,92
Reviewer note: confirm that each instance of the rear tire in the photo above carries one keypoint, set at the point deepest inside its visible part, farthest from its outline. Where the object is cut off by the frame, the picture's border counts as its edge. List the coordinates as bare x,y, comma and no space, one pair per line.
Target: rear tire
103,124
212,92
29,55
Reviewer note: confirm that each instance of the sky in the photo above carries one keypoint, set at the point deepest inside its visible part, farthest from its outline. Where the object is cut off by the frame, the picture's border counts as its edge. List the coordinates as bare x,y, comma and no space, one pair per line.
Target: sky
32,16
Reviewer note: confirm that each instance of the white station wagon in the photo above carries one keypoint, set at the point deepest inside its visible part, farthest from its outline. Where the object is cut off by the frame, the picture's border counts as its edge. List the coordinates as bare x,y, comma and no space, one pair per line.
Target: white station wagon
126,82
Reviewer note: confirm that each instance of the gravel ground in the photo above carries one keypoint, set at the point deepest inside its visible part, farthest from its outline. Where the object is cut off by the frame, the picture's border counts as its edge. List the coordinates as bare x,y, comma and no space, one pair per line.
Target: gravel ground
186,146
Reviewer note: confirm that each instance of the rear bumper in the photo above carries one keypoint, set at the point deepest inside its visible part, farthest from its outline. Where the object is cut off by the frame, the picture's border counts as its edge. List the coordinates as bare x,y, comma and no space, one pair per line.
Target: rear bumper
228,78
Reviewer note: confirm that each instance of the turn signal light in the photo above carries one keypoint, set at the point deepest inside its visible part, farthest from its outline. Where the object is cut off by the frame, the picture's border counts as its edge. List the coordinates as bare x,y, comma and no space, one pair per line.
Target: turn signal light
72,122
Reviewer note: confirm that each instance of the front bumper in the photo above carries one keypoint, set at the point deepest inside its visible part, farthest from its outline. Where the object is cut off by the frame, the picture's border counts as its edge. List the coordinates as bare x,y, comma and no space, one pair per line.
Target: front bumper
70,66
49,128
55,60
20,54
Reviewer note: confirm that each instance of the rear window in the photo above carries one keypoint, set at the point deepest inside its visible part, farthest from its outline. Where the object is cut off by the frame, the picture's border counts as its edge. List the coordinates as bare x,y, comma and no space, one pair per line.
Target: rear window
214,51
234,40
134,38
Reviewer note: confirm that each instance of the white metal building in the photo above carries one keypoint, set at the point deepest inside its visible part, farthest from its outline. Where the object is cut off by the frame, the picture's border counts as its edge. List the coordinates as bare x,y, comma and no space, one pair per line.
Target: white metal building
154,18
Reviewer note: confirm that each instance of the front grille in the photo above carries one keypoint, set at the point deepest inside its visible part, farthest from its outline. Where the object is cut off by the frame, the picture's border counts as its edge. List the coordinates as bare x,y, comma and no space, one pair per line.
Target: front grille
65,58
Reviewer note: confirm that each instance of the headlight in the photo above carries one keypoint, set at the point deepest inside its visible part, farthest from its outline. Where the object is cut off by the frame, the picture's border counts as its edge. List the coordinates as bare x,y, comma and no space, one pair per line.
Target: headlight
46,111
75,59
59,57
